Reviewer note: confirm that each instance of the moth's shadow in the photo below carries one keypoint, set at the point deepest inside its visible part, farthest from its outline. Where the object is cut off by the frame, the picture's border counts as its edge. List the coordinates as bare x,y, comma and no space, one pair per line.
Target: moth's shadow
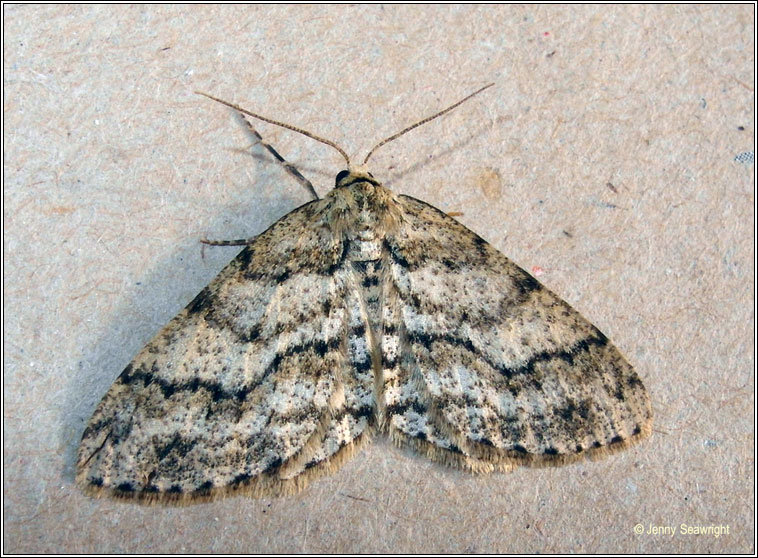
163,291
398,180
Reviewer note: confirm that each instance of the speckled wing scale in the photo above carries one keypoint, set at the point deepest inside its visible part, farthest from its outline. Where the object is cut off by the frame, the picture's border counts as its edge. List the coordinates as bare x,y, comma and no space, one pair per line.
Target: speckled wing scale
495,370
361,312
265,376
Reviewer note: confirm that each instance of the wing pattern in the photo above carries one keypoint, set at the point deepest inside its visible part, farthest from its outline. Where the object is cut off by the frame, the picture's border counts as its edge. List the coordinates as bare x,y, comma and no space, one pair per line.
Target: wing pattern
361,311
495,370
255,382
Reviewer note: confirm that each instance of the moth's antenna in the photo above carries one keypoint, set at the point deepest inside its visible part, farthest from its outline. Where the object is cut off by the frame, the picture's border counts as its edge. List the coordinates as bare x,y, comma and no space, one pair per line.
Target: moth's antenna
424,121
282,124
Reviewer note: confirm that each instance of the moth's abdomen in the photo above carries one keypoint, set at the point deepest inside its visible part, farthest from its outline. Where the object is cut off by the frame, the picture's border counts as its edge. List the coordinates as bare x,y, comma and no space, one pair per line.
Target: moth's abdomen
369,278
364,249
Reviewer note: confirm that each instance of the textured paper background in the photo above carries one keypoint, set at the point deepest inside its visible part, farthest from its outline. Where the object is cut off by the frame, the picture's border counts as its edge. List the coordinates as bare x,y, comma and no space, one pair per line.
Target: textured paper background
604,157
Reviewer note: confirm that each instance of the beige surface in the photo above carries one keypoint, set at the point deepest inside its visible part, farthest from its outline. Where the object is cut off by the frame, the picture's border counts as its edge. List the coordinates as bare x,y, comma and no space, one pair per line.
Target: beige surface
605,157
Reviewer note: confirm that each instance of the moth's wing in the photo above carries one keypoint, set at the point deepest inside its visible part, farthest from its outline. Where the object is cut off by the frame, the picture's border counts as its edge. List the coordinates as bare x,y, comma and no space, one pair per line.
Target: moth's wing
251,388
484,367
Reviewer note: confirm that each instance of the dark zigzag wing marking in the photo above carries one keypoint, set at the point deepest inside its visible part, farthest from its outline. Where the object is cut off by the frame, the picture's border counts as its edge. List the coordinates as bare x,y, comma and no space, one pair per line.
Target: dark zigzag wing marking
502,366
348,424
238,383
405,405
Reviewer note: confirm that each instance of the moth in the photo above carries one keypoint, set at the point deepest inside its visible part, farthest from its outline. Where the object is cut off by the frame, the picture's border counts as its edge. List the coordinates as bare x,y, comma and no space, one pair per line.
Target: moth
363,312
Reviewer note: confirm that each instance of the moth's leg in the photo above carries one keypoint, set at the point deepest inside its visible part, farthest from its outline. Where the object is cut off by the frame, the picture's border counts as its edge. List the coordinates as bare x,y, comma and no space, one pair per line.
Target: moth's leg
289,167
238,242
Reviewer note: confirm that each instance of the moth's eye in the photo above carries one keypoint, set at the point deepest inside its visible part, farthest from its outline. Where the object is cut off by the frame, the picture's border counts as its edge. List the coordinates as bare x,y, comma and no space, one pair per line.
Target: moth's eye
340,176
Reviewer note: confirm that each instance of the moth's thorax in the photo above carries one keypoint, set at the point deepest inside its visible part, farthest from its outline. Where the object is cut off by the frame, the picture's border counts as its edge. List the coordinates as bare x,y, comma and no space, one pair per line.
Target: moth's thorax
363,210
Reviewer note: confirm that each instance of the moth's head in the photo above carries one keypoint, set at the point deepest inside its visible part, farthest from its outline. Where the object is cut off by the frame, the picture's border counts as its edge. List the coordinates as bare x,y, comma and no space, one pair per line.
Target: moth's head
353,174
